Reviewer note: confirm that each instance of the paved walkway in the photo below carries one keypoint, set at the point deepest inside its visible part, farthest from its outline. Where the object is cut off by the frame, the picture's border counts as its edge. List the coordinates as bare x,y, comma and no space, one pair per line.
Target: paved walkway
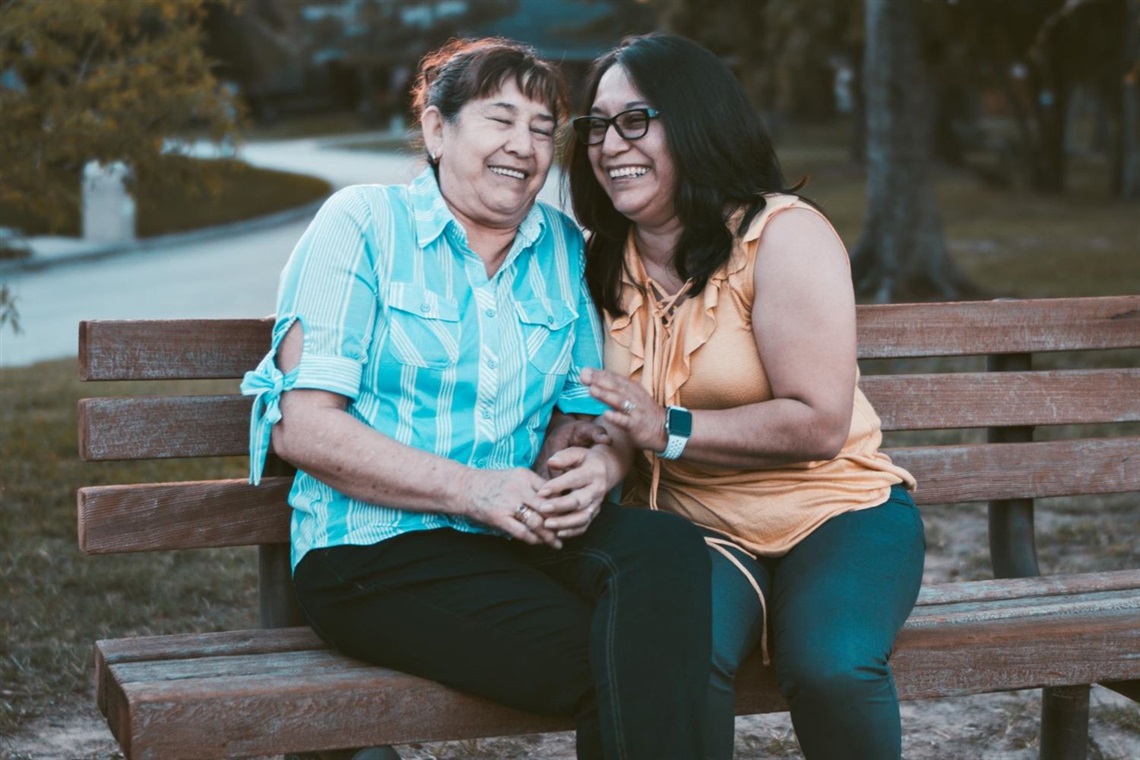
230,272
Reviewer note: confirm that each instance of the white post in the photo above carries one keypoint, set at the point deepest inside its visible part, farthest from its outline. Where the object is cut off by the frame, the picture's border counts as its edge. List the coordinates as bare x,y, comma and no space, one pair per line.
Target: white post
108,207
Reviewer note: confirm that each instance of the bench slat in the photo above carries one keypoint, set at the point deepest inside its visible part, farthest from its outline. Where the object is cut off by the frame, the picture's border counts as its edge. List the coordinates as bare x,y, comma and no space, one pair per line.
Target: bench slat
171,349
996,327
191,645
198,706
156,516
161,427
981,399
157,427
930,597
191,349
985,472
185,515
210,718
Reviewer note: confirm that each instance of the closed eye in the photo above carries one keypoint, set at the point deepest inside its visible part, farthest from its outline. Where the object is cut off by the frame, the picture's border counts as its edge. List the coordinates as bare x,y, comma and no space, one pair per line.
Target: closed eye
543,131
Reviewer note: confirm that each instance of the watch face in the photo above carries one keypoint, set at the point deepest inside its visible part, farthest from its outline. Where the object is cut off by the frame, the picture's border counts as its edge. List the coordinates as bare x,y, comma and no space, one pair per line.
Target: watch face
679,422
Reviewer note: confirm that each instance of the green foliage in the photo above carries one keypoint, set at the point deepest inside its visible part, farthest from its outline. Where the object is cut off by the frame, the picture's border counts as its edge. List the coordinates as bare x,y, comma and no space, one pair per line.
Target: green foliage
103,80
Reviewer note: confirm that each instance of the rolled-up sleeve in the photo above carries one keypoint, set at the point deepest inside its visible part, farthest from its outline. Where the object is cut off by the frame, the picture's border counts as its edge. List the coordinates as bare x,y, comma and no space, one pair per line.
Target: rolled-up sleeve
328,286
265,384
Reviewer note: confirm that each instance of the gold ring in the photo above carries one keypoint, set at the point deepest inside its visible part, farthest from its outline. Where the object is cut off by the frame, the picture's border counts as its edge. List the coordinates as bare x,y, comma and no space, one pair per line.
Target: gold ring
522,511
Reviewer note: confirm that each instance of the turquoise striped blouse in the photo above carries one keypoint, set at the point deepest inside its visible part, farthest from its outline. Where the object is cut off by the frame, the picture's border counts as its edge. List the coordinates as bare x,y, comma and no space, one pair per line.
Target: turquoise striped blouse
400,317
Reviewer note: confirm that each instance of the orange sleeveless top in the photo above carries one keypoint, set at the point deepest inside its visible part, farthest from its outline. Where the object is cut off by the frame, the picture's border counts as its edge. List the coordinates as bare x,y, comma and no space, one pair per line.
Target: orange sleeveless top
704,357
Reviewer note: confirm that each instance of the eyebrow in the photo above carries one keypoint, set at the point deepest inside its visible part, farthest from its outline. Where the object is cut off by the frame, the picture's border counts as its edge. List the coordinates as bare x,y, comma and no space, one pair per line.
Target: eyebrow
515,109
628,106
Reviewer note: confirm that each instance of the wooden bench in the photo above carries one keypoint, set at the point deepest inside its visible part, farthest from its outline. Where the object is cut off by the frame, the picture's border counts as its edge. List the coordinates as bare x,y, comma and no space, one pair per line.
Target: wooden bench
281,690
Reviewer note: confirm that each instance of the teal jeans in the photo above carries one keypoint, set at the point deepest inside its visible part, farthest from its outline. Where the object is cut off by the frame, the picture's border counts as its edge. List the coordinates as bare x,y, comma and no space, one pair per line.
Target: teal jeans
836,602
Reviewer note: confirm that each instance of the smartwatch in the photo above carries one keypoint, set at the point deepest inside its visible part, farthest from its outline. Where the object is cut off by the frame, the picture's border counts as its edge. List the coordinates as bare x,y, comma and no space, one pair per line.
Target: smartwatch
678,426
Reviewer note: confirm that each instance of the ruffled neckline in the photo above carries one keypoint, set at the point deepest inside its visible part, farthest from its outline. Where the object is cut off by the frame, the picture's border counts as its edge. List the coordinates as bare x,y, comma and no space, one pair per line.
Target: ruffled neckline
643,329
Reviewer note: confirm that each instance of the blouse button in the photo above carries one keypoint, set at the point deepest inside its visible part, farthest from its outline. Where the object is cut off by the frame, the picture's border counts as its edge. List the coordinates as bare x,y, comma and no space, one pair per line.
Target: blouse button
425,307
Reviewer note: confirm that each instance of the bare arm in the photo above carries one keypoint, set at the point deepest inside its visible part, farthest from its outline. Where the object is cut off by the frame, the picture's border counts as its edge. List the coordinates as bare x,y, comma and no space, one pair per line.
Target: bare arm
803,320
317,435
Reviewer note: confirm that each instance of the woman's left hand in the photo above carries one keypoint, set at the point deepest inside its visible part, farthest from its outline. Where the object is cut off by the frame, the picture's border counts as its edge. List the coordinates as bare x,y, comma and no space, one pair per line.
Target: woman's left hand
573,497
563,432
631,408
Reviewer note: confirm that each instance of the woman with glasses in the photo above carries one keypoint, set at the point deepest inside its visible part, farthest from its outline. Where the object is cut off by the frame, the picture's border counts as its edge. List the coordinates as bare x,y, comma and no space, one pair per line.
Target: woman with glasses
731,364
425,335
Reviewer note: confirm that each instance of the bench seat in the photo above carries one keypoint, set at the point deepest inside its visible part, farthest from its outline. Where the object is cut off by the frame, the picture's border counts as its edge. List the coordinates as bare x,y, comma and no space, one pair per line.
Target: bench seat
962,404
248,692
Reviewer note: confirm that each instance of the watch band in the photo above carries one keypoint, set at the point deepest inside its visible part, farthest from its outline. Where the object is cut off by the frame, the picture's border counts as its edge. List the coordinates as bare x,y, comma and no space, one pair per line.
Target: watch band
675,447
678,426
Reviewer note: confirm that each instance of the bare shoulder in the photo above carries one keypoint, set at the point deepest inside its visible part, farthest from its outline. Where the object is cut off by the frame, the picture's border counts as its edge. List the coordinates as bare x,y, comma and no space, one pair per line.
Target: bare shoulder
799,227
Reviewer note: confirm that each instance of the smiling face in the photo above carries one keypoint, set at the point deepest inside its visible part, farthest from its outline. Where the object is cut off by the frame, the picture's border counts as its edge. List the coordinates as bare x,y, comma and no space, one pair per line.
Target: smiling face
638,175
493,157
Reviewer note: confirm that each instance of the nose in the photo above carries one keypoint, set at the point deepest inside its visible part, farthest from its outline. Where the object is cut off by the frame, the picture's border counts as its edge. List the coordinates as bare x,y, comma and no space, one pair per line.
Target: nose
613,141
521,141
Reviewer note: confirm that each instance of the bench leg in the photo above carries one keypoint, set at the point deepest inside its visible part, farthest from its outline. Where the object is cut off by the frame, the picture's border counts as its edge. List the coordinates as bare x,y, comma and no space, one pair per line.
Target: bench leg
1065,723
279,609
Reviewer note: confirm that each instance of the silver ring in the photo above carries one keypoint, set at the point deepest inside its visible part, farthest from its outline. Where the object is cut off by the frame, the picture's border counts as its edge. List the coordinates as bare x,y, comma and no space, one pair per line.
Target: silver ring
522,511
628,406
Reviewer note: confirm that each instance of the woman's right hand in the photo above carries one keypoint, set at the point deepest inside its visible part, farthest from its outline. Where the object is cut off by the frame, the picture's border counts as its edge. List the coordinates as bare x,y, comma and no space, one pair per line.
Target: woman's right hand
497,498
632,409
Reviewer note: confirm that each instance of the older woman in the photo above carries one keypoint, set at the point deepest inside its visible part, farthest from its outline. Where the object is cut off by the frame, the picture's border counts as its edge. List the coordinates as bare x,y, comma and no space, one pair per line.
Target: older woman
730,346
424,336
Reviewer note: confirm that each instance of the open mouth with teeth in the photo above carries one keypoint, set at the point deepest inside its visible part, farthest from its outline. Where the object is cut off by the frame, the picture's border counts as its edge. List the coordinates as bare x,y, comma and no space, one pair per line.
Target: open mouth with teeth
505,172
628,172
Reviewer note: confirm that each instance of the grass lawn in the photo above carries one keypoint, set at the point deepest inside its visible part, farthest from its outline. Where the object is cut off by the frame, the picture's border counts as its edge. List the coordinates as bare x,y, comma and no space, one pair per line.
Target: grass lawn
56,601
230,191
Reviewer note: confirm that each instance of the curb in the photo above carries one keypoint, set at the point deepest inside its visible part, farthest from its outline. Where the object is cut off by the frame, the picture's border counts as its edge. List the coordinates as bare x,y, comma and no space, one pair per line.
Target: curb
38,263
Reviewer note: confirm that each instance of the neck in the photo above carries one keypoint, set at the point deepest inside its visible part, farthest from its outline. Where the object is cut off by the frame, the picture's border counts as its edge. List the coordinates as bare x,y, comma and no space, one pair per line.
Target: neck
657,246
491,246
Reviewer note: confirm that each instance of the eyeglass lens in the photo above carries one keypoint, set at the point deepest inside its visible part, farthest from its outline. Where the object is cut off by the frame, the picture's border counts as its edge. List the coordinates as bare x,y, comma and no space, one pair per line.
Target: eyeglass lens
631,125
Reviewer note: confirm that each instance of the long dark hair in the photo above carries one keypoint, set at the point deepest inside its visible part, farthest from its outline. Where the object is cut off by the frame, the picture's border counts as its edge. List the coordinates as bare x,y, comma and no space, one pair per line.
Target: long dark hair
723,155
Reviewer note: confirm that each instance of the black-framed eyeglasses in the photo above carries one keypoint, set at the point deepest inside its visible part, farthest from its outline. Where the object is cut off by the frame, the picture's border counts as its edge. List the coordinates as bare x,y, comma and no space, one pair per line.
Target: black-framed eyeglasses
631,125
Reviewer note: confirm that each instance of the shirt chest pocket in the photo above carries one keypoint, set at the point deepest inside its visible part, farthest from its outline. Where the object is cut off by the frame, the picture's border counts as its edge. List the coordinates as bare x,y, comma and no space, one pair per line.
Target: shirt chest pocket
547,332
423,326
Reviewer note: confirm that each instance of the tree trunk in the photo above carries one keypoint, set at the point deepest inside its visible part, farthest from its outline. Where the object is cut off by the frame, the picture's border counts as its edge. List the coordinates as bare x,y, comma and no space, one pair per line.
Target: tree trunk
1130,117
901,252
859,107
1050,104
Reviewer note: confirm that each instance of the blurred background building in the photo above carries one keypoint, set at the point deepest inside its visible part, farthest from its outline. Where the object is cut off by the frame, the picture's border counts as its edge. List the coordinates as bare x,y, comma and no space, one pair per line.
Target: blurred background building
292,56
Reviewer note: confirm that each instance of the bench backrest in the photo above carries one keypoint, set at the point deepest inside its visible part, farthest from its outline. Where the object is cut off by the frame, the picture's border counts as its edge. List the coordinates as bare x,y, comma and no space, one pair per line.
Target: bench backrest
1001,398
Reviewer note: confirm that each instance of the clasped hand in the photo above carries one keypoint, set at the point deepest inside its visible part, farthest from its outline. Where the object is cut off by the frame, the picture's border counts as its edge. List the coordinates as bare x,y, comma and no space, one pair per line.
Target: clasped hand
537,510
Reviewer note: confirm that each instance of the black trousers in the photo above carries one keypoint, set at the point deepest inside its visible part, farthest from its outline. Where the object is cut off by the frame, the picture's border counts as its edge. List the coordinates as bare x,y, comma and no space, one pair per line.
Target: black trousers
613,629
